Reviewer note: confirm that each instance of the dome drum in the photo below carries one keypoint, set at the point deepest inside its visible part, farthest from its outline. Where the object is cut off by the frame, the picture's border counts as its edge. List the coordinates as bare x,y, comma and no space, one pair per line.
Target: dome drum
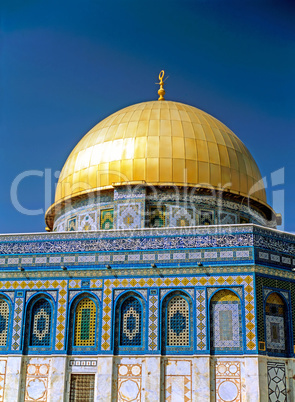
136,207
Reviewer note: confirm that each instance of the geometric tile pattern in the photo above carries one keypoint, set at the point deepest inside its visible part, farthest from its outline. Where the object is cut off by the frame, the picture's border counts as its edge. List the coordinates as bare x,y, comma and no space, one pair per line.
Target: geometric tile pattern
95,283
61,314
278,285
228,381
2,379
75,284
83,208
41,285
87,221
181,217
226,327
153,322
178,380
226,218
201,319
129,216
129,382
17,322
37,382
225,280
276,375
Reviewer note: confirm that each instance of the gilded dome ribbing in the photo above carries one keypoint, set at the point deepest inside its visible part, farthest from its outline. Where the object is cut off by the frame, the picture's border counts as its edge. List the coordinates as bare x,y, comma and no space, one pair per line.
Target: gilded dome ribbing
160,143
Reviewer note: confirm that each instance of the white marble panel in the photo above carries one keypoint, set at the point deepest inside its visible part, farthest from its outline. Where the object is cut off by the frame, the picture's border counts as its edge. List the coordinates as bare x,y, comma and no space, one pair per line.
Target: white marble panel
201,379
3,364
152,389
103,383
13,378
57,381
250,379
178,380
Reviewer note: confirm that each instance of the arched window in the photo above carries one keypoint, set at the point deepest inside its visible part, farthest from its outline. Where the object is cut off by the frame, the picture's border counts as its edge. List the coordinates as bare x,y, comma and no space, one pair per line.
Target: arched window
131,322
225,322
85,323
129,328
176,322
40,325
276,324
4,320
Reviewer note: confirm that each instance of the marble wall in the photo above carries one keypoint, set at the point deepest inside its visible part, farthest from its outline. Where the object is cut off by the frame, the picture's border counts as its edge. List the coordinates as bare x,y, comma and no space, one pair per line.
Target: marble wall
149,378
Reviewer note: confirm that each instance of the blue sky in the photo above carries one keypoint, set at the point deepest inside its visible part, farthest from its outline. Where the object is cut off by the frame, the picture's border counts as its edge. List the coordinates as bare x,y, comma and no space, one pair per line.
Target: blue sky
67,65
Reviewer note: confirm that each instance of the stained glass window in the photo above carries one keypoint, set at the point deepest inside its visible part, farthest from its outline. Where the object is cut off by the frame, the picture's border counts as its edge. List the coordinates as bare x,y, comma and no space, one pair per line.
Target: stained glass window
85,323
4,318
178,322
130,322
40,331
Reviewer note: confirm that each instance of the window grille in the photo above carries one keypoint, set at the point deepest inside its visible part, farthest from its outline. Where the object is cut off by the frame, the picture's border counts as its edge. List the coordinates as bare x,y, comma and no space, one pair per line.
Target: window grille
40,323
4,317
178,322
85,323
82,388
130,324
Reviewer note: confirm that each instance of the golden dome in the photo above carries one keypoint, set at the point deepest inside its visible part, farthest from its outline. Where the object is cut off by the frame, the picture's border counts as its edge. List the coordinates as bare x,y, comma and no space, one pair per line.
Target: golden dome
160,143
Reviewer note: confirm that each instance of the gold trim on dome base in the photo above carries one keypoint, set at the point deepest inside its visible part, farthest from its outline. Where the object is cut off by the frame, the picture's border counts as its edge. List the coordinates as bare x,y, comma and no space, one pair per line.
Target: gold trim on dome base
159,143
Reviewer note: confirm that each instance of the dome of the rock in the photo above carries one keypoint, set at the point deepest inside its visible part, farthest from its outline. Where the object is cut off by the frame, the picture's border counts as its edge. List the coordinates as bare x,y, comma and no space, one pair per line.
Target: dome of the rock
159,143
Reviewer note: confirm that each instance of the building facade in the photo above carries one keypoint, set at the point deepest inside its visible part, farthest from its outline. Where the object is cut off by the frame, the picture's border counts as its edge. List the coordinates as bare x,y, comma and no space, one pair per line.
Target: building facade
162,276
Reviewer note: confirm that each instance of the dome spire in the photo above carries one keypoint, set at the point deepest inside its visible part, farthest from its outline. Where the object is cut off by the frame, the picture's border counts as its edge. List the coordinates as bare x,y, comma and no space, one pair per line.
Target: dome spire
161,91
